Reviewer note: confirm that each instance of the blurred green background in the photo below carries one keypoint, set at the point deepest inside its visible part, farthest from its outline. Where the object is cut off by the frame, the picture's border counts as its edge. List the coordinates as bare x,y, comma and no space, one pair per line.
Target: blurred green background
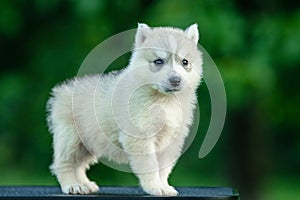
255,44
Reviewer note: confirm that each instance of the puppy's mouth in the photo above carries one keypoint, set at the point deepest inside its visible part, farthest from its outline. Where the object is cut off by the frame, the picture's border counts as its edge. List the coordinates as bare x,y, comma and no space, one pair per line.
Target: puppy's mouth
171,90
167,90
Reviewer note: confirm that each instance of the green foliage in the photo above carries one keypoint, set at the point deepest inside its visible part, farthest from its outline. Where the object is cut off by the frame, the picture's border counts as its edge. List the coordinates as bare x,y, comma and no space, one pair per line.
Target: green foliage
254,43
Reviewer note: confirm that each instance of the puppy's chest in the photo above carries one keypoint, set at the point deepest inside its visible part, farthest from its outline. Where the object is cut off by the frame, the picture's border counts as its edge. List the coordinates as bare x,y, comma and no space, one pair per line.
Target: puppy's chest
172,116
167,126
156,116
164,119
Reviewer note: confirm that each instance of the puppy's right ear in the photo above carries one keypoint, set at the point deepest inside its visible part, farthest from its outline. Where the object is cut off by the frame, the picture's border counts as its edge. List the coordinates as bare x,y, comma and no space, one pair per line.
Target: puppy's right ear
142,33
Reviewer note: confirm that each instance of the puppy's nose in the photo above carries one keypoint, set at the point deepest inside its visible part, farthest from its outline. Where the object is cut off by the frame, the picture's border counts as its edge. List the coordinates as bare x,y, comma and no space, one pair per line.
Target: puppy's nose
175,81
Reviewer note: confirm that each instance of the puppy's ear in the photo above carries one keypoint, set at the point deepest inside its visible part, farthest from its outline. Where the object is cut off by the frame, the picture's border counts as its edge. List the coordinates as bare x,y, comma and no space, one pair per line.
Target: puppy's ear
193,33
142,33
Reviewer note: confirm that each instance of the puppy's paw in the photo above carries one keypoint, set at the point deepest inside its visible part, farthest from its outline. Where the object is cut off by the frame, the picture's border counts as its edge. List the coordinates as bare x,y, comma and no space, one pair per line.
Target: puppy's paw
156,191
169,191
75,189
92,186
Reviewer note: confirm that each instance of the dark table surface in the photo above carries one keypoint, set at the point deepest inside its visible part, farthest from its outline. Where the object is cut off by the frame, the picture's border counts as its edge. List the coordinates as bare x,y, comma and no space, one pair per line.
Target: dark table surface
113,193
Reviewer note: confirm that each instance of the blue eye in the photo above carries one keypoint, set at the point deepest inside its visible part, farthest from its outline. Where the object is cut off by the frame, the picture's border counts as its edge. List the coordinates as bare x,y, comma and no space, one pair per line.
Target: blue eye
158,62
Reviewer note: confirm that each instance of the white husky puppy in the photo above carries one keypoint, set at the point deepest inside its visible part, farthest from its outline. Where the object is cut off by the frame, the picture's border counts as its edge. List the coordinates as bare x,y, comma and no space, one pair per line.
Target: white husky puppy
140,115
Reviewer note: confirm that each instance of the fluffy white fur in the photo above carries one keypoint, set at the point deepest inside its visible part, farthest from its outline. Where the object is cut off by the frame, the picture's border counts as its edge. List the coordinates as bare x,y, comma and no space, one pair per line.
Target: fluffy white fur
133,116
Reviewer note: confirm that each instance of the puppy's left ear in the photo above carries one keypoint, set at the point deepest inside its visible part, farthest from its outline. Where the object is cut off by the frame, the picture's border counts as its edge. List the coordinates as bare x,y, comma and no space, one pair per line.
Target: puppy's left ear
142,33
193,33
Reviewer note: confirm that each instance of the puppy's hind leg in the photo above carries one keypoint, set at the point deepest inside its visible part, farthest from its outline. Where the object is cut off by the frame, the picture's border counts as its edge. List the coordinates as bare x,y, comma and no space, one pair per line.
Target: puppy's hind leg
84,159
71,160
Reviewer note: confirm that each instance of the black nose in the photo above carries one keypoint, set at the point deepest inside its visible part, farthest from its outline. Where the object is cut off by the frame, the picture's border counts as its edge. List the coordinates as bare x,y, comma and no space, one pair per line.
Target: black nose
175,81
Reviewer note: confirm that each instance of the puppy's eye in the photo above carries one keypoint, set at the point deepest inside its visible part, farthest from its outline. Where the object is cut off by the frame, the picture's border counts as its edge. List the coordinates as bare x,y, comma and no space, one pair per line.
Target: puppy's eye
185,62
159,61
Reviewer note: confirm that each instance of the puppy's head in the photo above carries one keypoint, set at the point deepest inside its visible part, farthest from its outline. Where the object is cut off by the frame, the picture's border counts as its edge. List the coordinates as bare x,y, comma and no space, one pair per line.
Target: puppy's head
167,58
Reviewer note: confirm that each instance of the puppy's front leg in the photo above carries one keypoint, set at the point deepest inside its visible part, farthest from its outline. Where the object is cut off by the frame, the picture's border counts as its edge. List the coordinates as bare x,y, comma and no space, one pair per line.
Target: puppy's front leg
143,162
167,159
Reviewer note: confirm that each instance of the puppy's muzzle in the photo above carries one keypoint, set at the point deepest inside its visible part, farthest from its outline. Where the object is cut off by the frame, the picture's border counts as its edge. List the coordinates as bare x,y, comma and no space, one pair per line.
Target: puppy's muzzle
175,81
